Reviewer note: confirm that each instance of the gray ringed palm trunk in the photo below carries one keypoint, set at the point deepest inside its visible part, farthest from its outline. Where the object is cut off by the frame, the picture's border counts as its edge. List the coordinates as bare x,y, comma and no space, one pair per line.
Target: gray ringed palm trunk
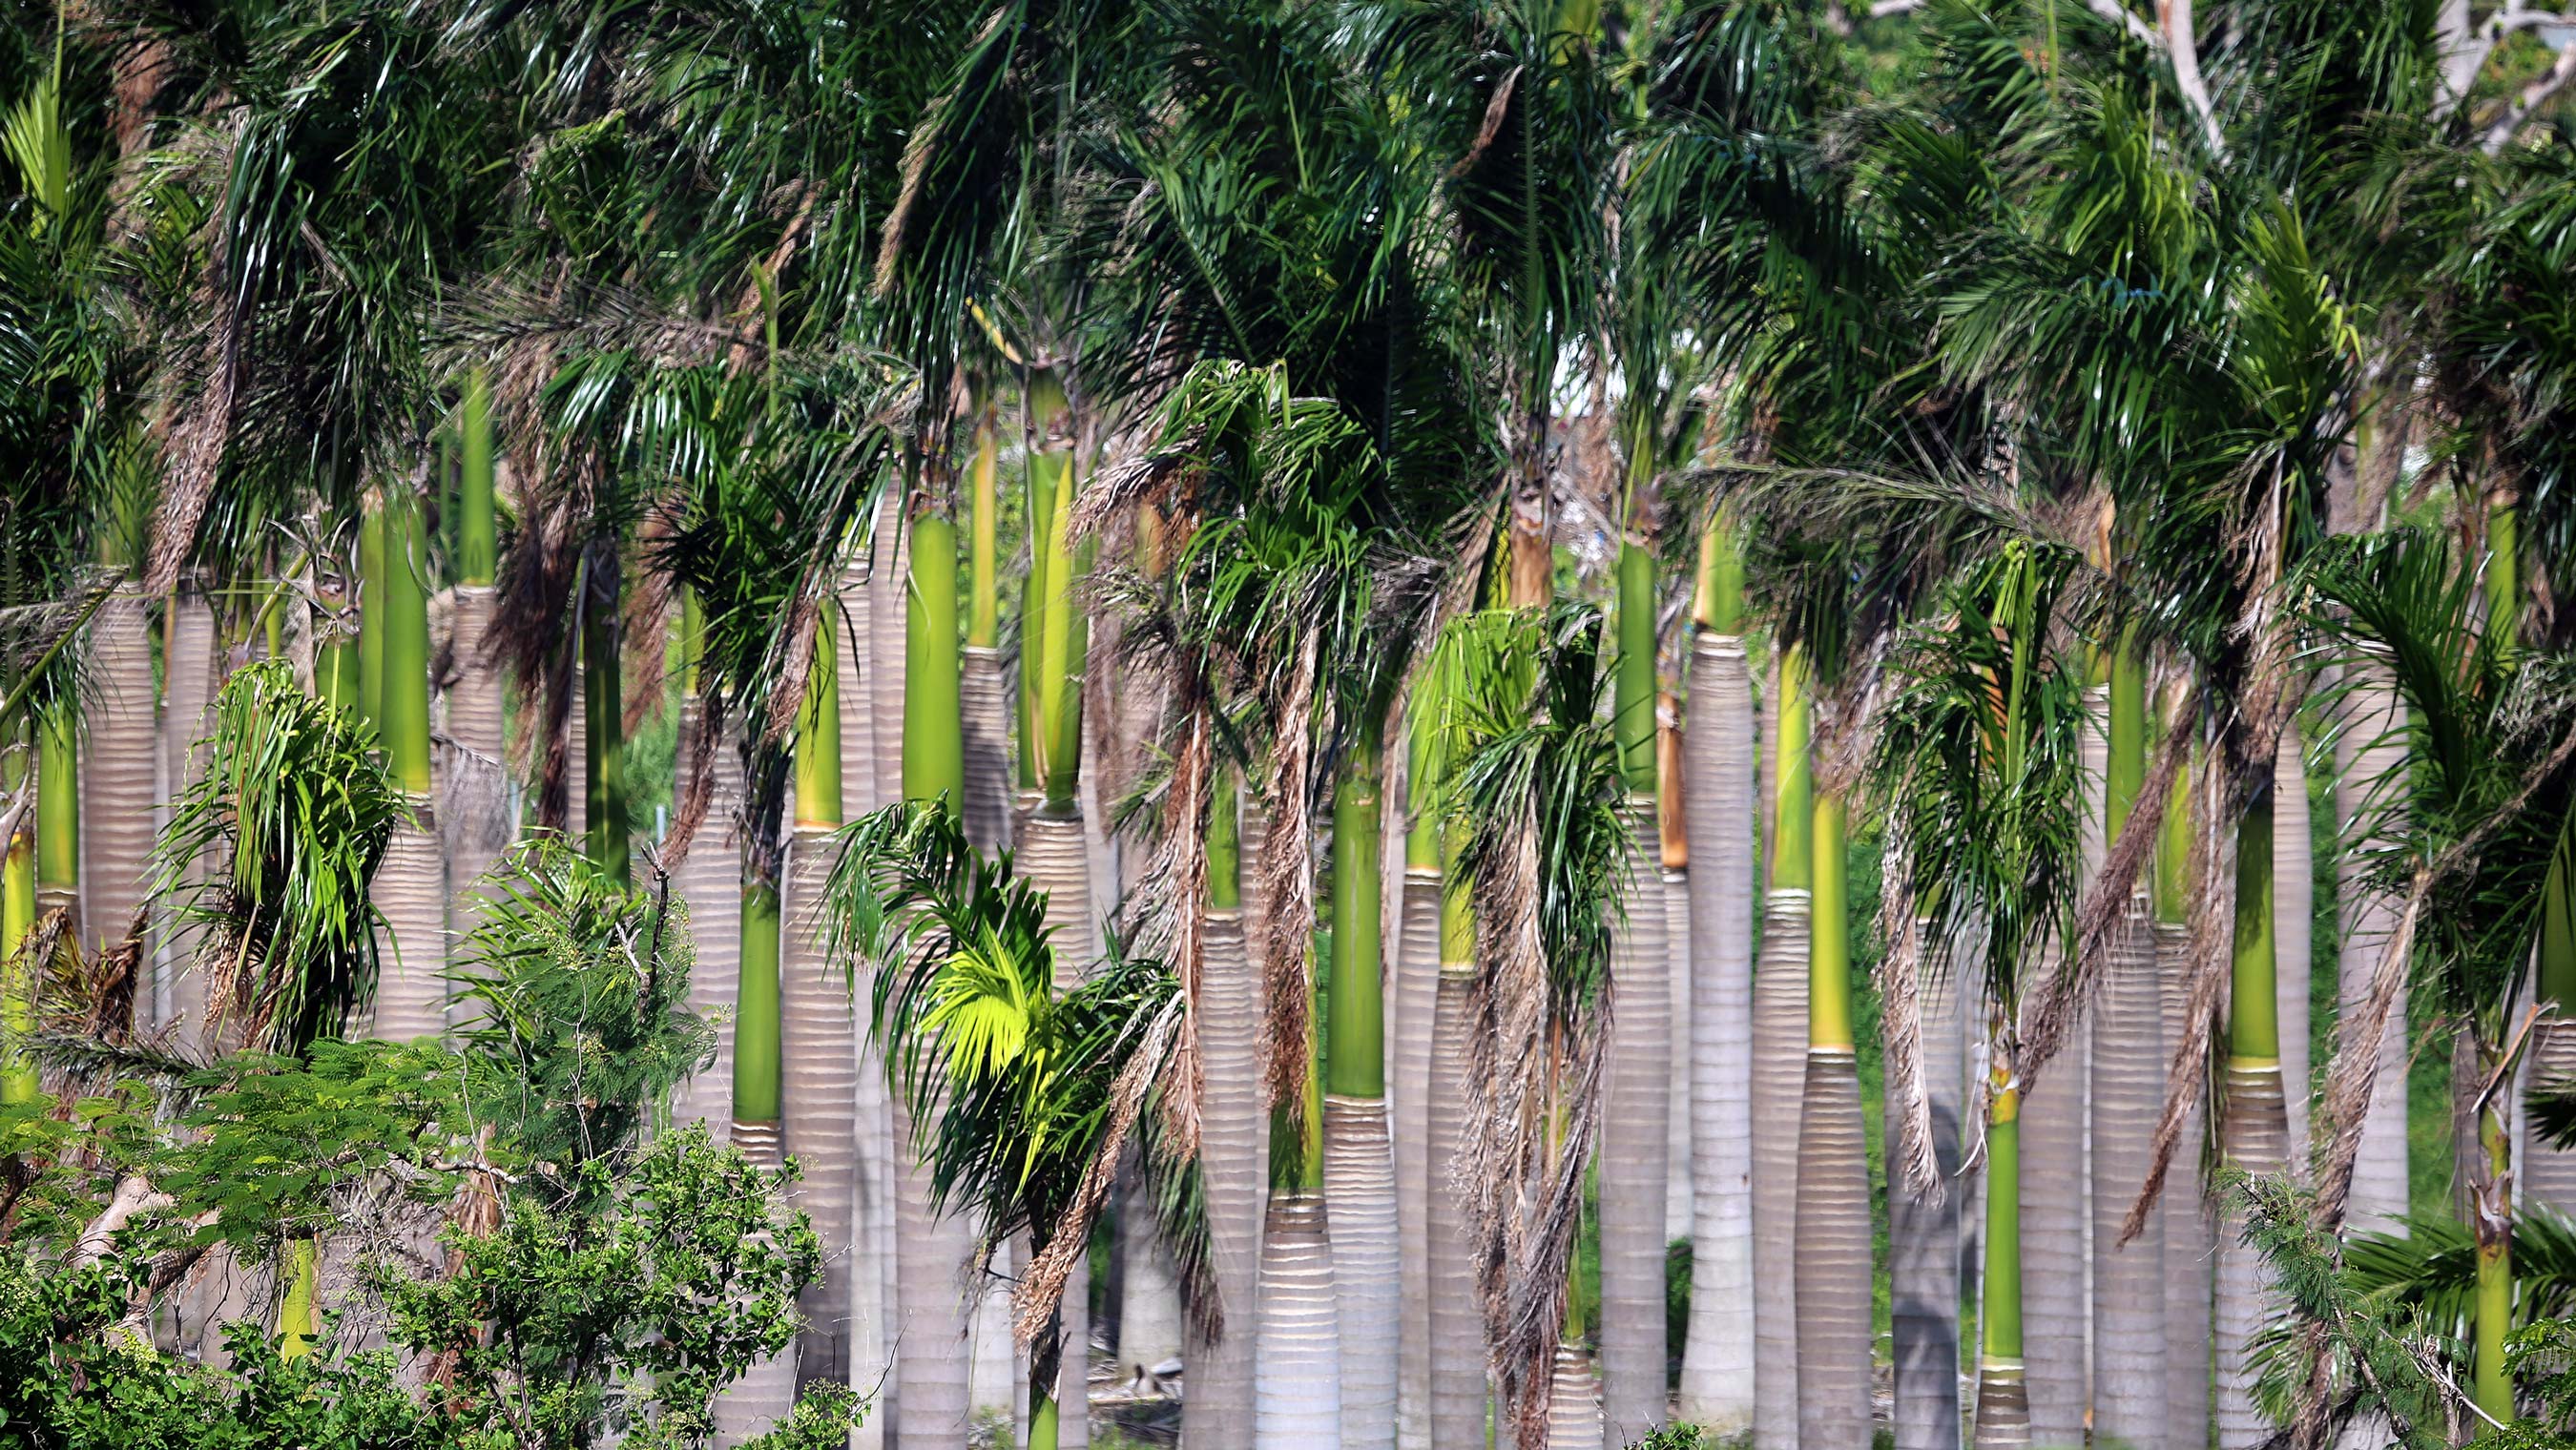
410,890
474,814
119,787
189,677
2129,1391
709,881
870,670
1297,1402
2255,1137
1055,855
2053,1214
1574,1418
1149,1294
984,701
1833,1255
1417,967
1923,1242
2188,1243
1778,1091
2293,906
929,1315
1635,1136
1717,1390
1234,1162
818,1099
1681,1208
2371,747
2003,1408
1359,1207
1457,1326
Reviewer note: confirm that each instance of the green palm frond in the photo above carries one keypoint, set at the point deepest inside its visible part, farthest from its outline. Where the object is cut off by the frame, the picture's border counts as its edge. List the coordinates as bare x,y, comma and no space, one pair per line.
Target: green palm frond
287,817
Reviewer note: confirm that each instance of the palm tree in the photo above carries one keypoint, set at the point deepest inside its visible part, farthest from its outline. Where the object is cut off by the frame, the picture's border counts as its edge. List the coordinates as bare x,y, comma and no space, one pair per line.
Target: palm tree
1026,1098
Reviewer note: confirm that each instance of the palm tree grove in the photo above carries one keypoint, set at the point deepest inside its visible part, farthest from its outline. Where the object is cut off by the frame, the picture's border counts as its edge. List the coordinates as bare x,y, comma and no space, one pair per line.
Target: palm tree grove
1287,724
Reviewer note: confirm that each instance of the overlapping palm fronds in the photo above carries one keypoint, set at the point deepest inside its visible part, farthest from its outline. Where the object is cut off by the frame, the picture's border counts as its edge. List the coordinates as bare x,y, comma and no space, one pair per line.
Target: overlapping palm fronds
1029,1096
1536,800
288,818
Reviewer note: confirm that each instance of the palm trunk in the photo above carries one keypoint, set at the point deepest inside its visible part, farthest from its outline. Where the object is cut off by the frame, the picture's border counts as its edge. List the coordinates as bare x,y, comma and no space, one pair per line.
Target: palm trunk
2549,1174
2254,1132
473,786
603,722
191,661
120,797
1149,1293
2188,1246
1681,1206
2003,1400
17,923
1297,1403
768,1388
1457,1330
1359,1171
2129,1403
709,883
1417,994
2293,909
1833,1226
1234,1138
1923,1240
1635,1137
984,692
2493,1231
870,669
58,844
2053,1216
410,886
1717,1389
1780,1008
1574,1418
817,1036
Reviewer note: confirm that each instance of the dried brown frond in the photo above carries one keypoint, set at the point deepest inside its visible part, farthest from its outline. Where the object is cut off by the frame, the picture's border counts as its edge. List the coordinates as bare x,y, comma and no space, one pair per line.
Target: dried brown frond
697,782
1899,980
193,450
1286,921
1492,126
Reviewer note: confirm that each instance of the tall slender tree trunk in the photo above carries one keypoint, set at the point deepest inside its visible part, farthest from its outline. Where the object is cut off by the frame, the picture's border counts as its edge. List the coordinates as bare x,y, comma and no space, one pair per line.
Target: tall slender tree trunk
2003,1401
817,1034
1359,1168
1780,1011
872,602
1417,971
1458,1388
2129,1401
984,690
1297,1391
766,1391
1923,1239
17,923
474,812
1833,1174
410,887
1717,1390
1234,1145
709,881
2370,747
191,662
2190,1249
1574,1418
2053,1219
2293,910
2254,1131
1681,1206
1149,1296
120,794
1634,1141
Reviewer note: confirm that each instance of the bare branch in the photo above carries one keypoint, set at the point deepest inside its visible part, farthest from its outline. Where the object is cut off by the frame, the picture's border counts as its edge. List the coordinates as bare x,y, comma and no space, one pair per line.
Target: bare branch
2533,97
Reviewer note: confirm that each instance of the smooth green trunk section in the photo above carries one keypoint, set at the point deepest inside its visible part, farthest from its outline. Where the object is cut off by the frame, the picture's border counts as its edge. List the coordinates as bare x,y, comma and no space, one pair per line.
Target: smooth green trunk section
2173,852
18,986
2494,1315
984,613
404,660
1040,510
1718,602
1042,1417
603,698
1793,805
1829,1004
1355,1055
57,799
1424,773
371,616
1633,685
478,547
2558,935
1224,844
2253,1014
337,672
2503,580
934,756
755,1042
1999,1318
2127,732
296,1322
818,734
693,639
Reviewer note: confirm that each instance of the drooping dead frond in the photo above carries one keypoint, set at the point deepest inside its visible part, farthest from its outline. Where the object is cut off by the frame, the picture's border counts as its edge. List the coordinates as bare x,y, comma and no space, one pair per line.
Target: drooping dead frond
2065,995
2213,868
697,784
1899,980
1287,867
